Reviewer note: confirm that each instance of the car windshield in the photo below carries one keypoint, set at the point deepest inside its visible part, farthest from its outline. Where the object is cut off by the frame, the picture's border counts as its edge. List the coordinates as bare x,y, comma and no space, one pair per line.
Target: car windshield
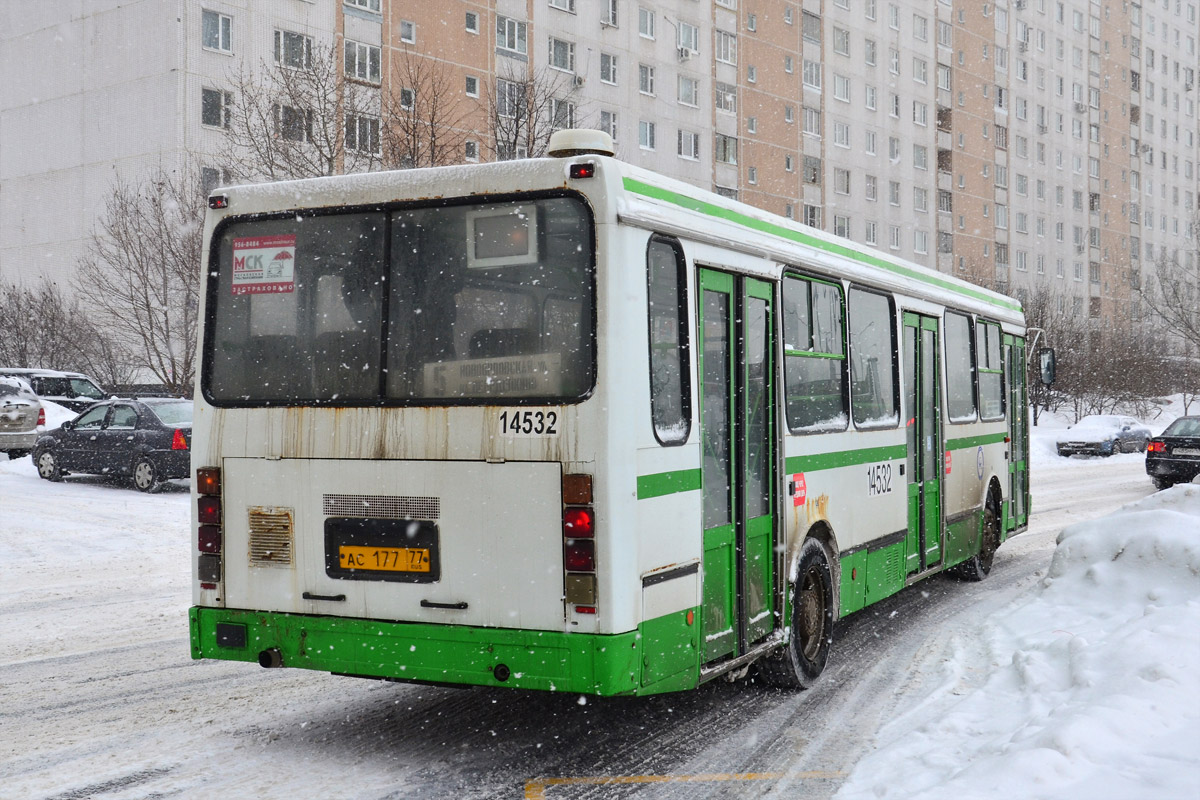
1184,426
177,412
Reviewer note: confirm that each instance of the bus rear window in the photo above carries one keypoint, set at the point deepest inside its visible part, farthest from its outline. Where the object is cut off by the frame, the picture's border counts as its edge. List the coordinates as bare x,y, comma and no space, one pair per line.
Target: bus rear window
436,305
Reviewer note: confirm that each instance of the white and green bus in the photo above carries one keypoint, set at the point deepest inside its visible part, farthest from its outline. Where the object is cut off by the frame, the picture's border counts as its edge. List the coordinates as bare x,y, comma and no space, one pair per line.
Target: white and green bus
566,424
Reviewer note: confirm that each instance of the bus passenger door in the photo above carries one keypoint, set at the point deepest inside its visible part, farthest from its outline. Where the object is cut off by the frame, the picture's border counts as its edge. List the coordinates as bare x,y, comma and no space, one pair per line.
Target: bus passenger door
1018,510
737,426
924,427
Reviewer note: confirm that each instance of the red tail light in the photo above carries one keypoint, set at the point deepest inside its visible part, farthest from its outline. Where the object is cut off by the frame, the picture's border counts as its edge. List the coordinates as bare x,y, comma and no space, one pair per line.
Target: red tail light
1156,447
41,416
579,523
178,441
209,510
580,555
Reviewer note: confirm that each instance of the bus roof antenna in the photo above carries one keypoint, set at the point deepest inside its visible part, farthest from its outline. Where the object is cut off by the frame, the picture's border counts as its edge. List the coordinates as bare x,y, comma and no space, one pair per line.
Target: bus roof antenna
580,142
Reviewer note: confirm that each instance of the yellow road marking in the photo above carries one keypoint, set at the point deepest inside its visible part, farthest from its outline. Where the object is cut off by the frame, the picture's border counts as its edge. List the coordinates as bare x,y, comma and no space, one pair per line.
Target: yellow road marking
536,789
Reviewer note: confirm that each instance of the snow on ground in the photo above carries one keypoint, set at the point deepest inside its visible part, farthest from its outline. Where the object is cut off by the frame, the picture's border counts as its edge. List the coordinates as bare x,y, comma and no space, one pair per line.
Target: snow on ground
1090,686
1093,686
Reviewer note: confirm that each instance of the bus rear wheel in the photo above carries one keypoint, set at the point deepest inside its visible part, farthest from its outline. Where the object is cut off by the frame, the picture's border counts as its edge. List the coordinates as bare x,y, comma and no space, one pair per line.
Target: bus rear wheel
800,662
977,567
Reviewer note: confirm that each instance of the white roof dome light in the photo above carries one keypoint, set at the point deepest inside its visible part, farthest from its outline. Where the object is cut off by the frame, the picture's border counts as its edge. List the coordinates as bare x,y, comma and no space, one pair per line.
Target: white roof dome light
579,142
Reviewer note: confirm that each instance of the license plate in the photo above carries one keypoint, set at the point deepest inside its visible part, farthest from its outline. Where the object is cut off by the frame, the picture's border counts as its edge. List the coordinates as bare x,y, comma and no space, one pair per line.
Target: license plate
1187,451
387,559
397,550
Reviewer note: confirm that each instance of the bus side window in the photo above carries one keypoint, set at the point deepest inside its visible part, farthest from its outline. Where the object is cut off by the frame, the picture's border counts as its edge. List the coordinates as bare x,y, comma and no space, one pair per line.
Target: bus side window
666,289
872,360
991,373
960,368
814,355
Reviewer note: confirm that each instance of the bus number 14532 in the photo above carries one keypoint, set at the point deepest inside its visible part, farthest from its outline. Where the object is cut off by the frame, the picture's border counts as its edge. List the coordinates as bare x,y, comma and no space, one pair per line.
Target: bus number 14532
879,479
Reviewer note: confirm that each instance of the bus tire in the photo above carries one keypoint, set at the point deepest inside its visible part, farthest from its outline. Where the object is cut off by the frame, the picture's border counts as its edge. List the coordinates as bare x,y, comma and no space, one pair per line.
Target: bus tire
977,567
799,663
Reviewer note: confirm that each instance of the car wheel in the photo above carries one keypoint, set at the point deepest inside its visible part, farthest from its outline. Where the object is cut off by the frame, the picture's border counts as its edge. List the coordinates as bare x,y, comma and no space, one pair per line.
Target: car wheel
47,466
145,476
798,664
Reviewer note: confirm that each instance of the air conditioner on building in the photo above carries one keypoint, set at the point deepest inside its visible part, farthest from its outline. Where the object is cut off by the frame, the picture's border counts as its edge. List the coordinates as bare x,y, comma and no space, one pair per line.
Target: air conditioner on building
1080,108
1022,46
1018,4
685,53
1146,148
578,81
1042,129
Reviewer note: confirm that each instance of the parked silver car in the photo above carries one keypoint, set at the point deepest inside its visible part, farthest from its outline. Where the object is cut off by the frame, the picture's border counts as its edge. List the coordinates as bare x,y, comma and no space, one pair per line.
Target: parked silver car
20,415
1103,435
72,390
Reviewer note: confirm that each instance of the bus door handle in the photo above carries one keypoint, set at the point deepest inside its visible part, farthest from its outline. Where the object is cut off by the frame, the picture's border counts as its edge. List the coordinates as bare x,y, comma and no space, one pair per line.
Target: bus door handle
449,606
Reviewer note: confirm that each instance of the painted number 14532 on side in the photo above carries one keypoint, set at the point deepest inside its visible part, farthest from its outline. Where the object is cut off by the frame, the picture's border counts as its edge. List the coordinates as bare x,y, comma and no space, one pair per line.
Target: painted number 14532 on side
879,479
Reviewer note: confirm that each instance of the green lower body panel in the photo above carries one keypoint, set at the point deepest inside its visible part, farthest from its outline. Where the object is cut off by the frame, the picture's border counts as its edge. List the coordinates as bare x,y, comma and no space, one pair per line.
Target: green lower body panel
609,664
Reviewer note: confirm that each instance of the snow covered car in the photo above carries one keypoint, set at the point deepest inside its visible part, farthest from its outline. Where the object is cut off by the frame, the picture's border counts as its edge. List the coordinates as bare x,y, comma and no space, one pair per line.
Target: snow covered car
1174,456
20,415
1103,435
71,390
148,439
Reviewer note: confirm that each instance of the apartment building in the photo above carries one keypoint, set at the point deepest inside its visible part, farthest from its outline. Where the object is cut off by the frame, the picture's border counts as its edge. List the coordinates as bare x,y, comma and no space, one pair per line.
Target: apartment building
1024,144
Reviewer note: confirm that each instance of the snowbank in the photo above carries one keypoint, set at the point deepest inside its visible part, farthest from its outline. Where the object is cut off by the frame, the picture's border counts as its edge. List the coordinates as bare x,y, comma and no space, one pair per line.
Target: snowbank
1092,687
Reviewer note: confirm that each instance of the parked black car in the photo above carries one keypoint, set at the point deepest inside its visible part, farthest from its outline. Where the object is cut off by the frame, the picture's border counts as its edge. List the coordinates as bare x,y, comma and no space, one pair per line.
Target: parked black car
148,439
1174,457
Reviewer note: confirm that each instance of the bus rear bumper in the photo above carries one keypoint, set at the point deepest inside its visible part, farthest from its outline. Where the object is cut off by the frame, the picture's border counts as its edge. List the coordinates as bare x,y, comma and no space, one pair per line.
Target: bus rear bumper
417,652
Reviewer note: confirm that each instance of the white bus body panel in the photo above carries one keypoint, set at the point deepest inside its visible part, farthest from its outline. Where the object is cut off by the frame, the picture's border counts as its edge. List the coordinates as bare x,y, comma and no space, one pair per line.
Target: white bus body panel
499,539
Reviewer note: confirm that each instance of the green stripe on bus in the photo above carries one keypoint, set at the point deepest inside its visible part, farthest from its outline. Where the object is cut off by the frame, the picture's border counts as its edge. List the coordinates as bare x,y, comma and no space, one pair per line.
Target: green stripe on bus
664,483
847,458
975,441
738,218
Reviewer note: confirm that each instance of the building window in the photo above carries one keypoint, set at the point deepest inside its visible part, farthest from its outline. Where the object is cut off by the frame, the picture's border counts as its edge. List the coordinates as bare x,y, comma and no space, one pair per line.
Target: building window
812,74
687,37
216,32
810,26
562,114
841,180
608,124
293,50
812,170
608,68
689,145
646,135
408,98
646,79
841,41
562,55
872,188
471,150
726,97
841,225
473,27
563,5
689,91
293,124
408,31
610,14
726,51
812,216
362,133
216,108
362,61
841,134
366,5
645,22
510,98
841,88
511,35
725,149
812,121
472,86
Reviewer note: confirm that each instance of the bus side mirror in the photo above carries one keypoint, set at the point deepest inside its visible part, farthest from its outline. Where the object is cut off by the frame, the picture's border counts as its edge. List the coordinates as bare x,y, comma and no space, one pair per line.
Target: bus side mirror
1046,361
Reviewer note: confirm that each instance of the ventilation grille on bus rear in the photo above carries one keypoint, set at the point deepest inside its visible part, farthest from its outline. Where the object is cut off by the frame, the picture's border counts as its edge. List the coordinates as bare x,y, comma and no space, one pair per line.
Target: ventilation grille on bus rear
381,506
270,537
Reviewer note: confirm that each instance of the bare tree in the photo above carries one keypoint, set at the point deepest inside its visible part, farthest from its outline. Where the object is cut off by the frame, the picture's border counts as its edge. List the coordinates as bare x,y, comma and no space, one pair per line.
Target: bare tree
425,122
301,121
524,109
140,273
1171,289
